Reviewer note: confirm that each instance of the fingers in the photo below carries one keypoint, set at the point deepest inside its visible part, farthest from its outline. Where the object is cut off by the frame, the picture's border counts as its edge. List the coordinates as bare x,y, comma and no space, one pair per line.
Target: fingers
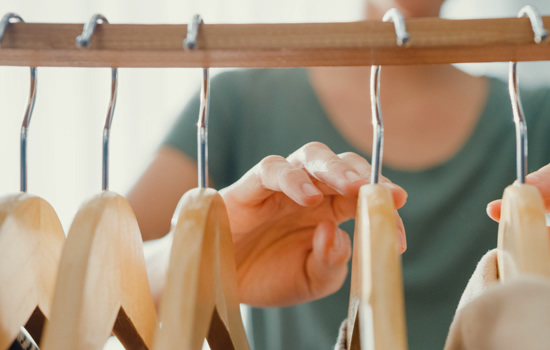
324,165
306,175
541,180
493,210
327,264
274,174
401,236
363,167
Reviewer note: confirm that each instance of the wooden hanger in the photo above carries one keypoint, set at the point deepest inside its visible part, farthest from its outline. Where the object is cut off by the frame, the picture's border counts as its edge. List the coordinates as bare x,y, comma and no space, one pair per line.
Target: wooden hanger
523,244
200,298
31,241
376,313
102,283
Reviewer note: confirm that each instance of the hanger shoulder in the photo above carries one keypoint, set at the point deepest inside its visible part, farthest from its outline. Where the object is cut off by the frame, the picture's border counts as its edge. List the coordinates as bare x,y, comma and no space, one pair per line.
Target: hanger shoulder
102,282
31,241
188,297
523,244
377,281
200,298
227,291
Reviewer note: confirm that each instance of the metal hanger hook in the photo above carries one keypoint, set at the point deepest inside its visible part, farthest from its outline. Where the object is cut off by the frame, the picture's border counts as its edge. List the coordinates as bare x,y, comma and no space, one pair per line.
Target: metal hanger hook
83,41
393,15
190,43
377,122
536,22
4,22
513,88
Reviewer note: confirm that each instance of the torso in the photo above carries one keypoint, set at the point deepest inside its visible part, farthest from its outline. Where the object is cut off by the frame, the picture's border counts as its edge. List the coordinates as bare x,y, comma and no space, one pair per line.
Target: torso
440,113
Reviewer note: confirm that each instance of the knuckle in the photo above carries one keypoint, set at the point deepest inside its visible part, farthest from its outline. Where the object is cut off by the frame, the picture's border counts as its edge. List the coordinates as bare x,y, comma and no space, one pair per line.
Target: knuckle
334,163
352,156
292,173
269,161
313,146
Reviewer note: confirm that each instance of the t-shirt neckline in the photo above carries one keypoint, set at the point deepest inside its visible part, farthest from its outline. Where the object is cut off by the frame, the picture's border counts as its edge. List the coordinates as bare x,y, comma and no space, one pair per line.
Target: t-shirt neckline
470,146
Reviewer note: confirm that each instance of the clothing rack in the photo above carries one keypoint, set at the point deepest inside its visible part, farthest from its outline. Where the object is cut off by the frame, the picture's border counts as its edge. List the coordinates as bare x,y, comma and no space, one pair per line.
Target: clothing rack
432,41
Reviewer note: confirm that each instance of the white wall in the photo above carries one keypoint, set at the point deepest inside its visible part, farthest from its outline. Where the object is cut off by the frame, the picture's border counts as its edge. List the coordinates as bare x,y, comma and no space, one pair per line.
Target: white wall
532,73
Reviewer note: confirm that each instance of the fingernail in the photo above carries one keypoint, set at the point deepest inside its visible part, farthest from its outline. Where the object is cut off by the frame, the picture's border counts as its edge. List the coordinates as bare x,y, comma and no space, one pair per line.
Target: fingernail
352,176
310,190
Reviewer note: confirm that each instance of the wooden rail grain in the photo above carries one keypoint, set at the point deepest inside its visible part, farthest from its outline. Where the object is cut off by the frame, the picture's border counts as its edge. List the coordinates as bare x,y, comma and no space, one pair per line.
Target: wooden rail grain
433,41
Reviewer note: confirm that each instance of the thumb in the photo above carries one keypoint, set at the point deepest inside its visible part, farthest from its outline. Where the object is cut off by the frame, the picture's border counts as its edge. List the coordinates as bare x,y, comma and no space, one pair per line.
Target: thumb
327,263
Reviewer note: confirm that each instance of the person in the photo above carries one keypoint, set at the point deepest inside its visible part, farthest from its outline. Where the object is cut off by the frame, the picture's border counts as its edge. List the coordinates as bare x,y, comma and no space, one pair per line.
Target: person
289,150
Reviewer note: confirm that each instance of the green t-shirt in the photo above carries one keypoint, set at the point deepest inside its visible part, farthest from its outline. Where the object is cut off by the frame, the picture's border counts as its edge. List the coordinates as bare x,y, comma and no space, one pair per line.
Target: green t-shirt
255,113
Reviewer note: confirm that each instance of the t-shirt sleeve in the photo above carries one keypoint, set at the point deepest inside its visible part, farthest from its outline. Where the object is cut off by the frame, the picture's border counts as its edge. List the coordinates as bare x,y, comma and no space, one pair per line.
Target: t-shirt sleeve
183,134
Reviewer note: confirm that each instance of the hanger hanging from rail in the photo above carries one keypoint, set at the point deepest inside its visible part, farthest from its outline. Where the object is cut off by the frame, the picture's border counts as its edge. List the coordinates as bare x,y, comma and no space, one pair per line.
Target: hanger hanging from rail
200,298
102,284
523,245
31,241
376,314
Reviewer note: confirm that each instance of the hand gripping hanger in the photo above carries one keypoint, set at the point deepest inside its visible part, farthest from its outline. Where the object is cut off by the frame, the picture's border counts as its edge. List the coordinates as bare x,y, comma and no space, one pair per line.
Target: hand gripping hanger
376,315
523,236
31,240
102,284
200,298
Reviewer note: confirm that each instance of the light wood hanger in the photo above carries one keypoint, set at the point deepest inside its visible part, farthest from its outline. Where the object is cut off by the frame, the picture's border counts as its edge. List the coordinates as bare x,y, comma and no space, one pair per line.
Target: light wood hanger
102,283
376,313
200,298
31,241
523,244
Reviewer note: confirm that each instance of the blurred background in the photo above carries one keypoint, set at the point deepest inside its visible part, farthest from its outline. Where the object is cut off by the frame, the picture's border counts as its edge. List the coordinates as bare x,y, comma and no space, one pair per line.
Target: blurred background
66,132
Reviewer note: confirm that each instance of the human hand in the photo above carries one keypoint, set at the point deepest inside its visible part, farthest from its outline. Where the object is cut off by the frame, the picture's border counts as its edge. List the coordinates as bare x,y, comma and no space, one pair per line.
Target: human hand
540,179
284,216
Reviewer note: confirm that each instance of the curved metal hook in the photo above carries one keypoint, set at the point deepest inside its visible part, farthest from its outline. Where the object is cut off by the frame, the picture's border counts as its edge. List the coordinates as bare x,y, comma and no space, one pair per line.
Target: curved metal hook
513,88
4,22
377,123
536,22
396,17
190,43
83,41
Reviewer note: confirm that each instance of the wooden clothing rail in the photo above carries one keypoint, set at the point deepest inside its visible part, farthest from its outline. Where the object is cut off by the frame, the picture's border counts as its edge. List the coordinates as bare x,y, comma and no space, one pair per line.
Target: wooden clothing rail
432,41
